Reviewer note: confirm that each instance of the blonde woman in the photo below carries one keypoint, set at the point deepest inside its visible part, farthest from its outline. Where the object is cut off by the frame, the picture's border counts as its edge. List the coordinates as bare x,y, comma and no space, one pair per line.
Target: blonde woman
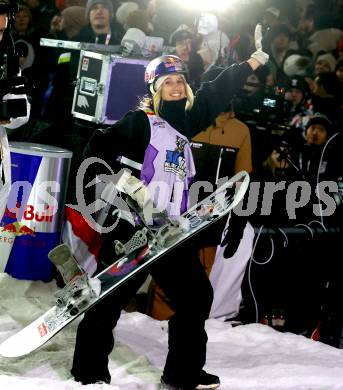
156,137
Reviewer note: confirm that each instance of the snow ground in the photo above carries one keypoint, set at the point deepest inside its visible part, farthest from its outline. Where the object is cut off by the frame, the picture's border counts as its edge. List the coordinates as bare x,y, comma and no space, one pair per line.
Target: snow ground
250,356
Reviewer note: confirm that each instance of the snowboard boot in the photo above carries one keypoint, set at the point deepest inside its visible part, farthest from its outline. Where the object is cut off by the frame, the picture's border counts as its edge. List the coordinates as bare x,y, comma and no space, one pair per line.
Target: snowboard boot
206,381
65,262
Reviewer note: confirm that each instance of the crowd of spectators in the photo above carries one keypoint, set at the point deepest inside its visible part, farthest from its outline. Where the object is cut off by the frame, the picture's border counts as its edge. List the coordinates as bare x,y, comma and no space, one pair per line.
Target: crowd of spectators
304,71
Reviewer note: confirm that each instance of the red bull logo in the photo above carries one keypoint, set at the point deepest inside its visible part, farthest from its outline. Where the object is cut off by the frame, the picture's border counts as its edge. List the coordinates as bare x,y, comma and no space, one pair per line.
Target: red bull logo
30,214
173,62
42,329
25,230
10,227
18,229
149,76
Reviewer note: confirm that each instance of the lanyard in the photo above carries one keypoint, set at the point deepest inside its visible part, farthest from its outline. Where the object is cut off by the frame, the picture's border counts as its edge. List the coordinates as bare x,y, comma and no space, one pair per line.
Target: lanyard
107,40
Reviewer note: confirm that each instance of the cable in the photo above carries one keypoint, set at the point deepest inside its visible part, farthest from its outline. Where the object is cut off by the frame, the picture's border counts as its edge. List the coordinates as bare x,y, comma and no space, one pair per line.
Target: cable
320,223
271,254
285,243
307,227
259,263
318,173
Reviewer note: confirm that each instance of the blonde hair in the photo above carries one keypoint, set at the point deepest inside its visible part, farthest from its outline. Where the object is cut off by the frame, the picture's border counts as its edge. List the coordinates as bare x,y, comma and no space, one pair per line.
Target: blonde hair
155,102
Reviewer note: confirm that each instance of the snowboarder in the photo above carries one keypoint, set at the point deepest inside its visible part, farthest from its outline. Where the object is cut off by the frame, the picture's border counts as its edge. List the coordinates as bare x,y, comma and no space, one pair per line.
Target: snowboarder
157,136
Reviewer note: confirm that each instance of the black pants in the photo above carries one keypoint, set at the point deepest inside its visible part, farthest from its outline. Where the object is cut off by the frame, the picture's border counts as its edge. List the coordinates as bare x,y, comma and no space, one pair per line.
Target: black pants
184,281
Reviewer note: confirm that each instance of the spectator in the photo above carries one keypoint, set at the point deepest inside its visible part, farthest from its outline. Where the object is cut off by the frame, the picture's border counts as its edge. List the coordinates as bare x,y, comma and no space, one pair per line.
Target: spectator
318,130
270,17
326,95
68,24
214,45
26,56
297,92
22,22
41,16
72,20
324,63
186,47
101,27
280,47
305,27
23,27
313,163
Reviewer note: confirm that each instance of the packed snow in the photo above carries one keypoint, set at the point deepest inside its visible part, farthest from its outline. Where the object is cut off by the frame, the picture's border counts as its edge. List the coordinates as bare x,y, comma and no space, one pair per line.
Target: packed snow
250,356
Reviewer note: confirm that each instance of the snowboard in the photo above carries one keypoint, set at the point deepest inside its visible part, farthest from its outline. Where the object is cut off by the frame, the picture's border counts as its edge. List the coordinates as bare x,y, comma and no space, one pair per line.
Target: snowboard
144,248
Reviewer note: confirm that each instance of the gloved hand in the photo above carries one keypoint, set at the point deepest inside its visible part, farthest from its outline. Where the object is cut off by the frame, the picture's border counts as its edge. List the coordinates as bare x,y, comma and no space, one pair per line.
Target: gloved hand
135,188
259,55
234,234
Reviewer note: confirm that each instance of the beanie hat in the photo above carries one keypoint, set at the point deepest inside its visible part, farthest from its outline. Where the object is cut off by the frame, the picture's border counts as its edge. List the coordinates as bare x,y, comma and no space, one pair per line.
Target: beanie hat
73,18
182,32
91,3
124,11
296,65
329,58
320,119
297,82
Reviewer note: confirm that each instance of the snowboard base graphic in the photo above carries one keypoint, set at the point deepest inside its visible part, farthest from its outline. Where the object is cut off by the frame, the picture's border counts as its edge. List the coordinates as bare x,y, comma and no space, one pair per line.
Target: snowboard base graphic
78,296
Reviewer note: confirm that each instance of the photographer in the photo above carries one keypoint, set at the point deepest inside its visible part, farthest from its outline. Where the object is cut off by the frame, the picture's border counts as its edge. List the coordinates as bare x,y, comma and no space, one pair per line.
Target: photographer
8,111
10,117
296,96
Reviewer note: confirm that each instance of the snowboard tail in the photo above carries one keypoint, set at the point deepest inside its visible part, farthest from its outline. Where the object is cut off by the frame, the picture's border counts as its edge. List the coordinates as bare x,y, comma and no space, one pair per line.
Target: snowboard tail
149,249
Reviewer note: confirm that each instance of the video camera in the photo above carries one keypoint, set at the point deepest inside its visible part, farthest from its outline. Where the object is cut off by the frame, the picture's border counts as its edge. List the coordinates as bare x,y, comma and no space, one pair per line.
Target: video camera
263,108
10,81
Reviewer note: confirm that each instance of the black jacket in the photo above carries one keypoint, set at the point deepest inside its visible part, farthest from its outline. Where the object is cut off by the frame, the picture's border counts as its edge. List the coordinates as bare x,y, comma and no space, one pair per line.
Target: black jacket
130,136
87,34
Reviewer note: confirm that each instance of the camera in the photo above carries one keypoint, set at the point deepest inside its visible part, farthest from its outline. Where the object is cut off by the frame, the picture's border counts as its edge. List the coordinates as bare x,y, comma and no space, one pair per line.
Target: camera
8,8
264,107
10,82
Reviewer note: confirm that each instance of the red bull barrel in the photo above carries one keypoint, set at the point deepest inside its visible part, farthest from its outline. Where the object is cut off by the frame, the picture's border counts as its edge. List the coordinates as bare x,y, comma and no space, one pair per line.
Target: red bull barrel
32,222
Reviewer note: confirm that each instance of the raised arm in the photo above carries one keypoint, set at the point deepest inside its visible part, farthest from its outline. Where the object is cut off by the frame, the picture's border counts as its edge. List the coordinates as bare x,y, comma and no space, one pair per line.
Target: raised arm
214,97
259,57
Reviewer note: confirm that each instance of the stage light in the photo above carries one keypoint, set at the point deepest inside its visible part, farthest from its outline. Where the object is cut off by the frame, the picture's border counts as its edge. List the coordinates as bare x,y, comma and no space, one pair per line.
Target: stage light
206,5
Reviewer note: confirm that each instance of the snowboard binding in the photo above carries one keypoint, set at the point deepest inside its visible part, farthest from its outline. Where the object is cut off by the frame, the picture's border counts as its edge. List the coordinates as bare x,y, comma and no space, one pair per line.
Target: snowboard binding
77,293
138,240
79,288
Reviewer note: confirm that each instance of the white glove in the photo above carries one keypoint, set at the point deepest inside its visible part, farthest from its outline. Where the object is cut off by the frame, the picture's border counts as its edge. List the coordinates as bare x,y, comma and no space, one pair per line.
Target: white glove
259,55
135,188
